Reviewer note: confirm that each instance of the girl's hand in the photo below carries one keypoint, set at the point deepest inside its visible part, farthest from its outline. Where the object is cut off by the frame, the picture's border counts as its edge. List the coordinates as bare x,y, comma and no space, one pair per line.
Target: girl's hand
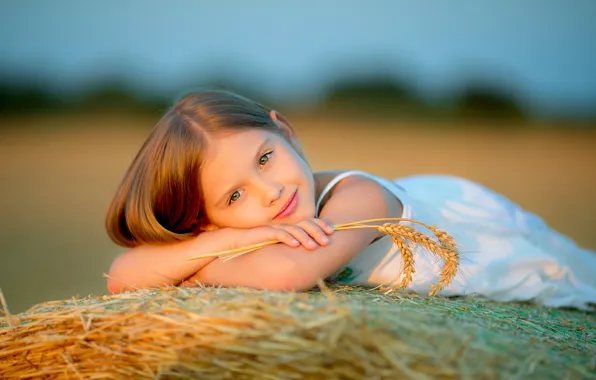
309,233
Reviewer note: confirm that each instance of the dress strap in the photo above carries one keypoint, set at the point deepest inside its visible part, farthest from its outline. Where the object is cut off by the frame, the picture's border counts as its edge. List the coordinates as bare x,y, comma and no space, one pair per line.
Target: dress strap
334,182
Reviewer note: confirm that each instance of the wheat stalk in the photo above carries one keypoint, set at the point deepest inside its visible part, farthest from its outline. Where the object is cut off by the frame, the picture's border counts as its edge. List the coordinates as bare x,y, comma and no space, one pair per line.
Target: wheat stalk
444,247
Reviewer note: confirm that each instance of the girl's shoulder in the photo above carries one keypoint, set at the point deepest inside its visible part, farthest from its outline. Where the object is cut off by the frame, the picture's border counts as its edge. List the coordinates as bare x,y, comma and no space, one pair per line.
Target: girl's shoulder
327,182
325,177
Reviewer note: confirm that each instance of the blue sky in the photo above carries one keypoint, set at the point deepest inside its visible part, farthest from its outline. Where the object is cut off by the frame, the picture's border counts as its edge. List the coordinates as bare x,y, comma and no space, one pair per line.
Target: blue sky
543,50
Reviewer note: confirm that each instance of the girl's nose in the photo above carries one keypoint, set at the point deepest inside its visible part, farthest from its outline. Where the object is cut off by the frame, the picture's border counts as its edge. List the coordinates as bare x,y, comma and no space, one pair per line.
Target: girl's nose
274,194
271,191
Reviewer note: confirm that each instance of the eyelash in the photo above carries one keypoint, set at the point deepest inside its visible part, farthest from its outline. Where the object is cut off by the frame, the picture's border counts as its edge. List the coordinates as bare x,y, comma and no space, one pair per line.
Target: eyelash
268,156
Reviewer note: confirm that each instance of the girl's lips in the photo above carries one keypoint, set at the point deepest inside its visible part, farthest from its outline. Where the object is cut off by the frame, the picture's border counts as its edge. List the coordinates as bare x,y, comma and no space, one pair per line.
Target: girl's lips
289,207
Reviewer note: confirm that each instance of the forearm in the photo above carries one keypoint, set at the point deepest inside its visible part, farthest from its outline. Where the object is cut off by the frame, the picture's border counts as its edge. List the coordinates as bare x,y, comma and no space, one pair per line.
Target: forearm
161,265
280,267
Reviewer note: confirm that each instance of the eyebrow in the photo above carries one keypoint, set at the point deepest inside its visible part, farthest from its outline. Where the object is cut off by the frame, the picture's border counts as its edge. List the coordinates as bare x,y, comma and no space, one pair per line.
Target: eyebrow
225,196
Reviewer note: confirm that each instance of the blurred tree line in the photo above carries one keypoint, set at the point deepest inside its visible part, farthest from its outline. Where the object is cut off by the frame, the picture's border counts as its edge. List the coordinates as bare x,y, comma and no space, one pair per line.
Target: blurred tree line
352,97
390,98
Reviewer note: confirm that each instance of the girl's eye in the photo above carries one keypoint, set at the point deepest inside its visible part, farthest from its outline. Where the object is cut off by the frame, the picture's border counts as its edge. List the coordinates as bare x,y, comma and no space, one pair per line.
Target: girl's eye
234,197
265,158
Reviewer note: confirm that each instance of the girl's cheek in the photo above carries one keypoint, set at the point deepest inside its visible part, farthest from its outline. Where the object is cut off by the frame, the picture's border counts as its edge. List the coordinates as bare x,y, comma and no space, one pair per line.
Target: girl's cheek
248,211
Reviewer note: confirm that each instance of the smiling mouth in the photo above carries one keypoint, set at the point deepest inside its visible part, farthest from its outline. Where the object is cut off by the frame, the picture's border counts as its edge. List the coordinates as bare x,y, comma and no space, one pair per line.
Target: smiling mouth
289,207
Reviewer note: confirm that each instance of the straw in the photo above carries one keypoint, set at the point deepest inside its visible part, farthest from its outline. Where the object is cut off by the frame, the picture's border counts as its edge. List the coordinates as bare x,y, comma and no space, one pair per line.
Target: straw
336,333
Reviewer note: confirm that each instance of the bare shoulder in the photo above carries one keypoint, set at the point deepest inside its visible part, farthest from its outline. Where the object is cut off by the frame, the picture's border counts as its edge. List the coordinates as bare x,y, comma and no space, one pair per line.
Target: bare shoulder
323,178
362,189
365,192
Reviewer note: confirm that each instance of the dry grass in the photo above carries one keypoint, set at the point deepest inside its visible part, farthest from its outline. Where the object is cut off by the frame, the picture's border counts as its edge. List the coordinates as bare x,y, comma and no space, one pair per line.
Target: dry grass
340,333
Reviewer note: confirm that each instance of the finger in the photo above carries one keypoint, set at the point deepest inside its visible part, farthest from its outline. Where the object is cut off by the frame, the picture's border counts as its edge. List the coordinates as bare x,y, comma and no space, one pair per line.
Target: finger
284,237
299,234
325,226
315,231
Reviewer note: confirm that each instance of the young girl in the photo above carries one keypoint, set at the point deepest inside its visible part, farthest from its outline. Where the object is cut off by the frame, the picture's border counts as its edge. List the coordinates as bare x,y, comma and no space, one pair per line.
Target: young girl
220,171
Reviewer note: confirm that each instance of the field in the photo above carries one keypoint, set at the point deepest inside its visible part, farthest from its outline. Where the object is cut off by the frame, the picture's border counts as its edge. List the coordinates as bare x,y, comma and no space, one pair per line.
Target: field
57,174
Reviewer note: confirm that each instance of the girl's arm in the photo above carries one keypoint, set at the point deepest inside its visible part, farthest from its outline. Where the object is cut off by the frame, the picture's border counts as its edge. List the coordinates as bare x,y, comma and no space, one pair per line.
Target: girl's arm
155,265
281,267
160,265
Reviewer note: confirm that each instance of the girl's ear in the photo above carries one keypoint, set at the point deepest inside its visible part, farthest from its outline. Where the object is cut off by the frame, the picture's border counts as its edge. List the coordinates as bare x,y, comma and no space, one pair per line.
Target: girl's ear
286,129
282,124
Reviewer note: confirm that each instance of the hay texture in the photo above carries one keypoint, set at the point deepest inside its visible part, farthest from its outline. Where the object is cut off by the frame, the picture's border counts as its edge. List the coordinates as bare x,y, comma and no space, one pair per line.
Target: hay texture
336,333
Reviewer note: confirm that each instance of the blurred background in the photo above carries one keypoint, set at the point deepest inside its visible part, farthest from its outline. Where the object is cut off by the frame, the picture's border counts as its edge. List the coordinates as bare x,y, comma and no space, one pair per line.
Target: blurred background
502,92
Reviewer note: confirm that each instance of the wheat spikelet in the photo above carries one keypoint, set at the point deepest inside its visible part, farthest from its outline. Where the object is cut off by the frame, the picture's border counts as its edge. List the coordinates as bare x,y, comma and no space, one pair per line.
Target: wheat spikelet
450,255
444,238
393,230
408,268
445,247
408,259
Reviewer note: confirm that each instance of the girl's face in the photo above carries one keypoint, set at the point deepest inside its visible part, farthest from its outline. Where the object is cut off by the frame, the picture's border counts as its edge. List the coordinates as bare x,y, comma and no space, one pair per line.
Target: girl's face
253,178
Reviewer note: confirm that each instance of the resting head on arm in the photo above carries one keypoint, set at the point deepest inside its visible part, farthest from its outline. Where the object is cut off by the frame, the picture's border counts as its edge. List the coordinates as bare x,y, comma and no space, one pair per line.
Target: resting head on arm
220,171
165,210
280,267
259,178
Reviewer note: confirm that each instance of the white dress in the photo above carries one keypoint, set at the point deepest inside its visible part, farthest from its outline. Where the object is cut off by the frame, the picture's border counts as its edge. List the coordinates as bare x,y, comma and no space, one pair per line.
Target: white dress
507,253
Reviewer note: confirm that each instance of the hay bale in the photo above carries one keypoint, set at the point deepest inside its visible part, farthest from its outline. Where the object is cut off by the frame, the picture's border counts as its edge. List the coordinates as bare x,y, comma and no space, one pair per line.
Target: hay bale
340,333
